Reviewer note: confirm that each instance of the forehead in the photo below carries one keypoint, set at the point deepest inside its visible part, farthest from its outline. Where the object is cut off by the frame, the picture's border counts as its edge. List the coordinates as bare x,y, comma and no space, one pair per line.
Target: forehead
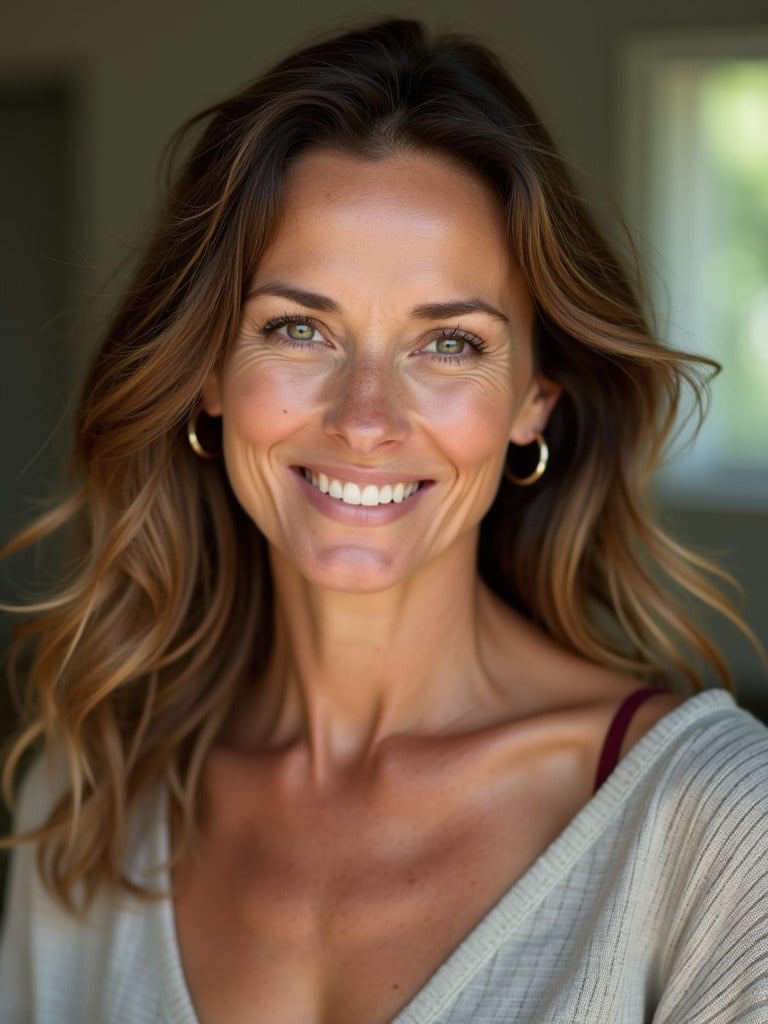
411,220
419,183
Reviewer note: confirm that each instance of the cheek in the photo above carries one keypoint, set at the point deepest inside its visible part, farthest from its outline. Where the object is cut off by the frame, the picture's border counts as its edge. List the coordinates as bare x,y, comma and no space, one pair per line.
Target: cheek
263,403
471,421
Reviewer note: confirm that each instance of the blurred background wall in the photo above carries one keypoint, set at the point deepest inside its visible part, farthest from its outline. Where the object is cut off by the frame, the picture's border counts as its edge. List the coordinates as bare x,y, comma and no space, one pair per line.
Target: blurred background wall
90,92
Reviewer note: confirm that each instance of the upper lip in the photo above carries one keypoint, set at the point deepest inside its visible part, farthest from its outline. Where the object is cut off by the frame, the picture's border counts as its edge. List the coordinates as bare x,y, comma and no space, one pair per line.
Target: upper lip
362,477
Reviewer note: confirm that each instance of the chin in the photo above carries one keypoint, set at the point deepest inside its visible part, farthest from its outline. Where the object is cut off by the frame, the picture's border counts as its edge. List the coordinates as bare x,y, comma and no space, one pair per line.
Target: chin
352,570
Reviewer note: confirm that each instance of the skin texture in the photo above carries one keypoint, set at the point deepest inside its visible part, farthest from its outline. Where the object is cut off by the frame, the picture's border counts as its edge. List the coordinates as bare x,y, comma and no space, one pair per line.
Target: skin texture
414,744
372,398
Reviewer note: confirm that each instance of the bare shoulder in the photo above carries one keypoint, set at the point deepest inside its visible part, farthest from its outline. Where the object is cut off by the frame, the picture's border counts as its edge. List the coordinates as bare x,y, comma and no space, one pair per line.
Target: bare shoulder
561,685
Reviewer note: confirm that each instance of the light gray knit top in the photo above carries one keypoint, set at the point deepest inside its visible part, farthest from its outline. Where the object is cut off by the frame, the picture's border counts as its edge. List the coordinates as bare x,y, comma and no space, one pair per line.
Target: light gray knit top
651,906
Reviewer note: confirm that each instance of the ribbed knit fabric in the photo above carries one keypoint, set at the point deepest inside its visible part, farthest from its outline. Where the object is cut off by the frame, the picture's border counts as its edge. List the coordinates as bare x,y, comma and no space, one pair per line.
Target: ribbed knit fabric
651,906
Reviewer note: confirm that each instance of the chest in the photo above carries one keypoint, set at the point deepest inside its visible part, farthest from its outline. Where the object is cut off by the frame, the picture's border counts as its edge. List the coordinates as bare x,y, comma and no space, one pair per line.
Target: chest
340,910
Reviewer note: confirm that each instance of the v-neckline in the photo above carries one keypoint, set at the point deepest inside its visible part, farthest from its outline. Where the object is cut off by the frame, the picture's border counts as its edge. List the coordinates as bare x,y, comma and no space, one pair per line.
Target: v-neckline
512,908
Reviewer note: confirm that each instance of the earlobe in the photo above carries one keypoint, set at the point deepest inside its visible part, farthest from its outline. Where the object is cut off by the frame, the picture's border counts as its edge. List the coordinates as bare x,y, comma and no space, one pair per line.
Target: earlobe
535,411
211,396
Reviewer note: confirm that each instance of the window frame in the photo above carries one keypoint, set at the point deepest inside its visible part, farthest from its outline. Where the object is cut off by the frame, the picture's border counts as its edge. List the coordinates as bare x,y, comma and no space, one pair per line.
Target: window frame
656,96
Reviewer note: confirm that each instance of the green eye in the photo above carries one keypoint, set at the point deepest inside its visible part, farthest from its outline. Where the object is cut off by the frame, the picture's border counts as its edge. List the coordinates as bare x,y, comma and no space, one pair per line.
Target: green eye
450,346
299,331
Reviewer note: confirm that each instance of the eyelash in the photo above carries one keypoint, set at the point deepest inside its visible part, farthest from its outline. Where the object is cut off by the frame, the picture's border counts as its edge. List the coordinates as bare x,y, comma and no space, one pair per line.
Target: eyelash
476,344
289,318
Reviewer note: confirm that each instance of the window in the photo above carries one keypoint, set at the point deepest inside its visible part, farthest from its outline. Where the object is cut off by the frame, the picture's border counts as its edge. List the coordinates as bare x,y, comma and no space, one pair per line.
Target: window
695,169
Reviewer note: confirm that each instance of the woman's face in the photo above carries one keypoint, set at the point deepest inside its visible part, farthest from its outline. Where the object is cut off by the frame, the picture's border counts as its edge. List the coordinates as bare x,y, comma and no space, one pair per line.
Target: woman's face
383,363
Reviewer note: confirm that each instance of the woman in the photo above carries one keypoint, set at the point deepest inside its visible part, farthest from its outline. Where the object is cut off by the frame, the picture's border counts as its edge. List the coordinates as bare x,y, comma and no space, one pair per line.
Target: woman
326,706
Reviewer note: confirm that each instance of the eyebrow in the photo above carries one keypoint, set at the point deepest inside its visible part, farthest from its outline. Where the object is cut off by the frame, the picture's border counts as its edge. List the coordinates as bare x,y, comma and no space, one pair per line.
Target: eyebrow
425,311
447,310
285,291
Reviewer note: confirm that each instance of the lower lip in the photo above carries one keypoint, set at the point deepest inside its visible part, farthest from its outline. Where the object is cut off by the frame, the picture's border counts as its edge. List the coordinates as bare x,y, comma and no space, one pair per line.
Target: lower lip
359,515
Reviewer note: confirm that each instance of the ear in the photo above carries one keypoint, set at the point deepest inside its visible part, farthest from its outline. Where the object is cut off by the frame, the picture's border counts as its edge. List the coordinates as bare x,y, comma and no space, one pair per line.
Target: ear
533,415
211,396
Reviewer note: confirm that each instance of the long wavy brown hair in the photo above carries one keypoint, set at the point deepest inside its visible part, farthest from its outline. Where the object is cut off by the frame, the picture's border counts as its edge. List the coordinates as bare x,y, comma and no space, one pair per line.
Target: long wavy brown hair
138,657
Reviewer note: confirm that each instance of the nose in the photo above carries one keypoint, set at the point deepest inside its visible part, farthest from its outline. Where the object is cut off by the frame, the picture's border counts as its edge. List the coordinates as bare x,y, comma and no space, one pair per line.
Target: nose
367,408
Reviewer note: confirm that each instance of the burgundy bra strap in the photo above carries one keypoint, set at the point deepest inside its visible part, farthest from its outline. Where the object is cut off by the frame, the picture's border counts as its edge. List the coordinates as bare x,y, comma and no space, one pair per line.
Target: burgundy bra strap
609,756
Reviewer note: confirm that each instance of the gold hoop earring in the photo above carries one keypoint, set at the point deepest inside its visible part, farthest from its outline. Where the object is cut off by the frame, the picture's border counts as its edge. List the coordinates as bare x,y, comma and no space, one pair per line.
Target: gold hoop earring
541,465
193,436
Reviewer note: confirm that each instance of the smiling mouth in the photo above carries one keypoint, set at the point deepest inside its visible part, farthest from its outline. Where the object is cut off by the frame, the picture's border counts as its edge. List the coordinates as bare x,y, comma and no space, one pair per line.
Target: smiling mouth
352,494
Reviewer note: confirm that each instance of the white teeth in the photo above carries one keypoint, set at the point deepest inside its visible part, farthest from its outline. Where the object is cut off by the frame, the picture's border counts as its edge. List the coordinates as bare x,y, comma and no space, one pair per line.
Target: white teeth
352,494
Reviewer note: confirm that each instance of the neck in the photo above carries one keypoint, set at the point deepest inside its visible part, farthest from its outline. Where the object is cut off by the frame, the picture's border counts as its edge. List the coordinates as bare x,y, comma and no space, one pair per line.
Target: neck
350,670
